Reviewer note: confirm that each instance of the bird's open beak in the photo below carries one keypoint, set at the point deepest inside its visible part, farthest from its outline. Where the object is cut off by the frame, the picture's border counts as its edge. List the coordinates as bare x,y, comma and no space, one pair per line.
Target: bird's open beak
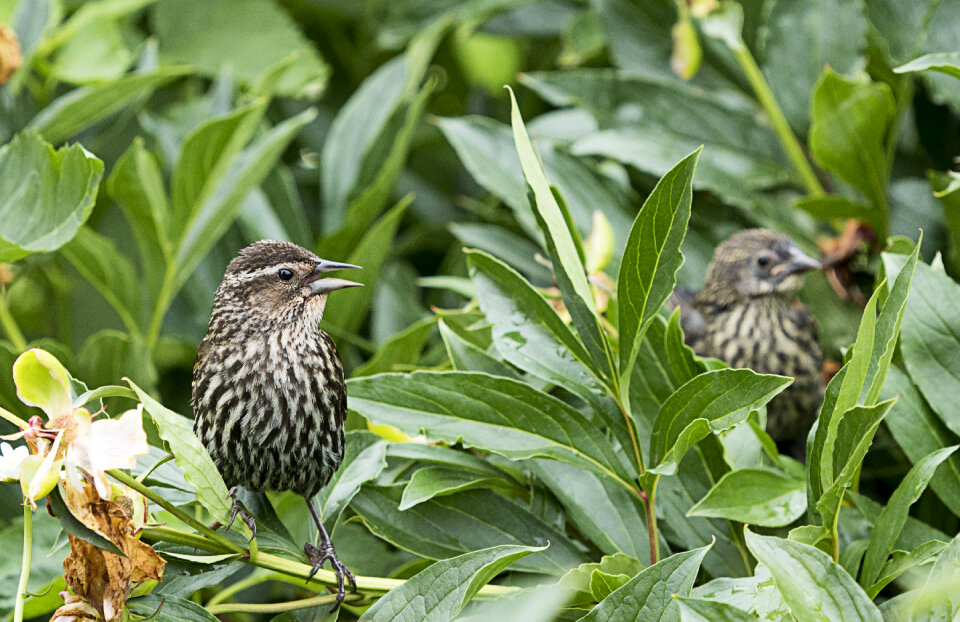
324,286
798,262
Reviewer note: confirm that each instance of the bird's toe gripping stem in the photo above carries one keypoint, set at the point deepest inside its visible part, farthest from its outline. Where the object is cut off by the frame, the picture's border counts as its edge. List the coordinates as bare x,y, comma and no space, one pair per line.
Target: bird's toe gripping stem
317,556
238,509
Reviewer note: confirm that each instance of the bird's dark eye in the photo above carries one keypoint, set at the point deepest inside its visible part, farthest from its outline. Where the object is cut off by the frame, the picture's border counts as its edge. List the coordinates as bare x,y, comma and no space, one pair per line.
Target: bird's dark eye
763,261
285,274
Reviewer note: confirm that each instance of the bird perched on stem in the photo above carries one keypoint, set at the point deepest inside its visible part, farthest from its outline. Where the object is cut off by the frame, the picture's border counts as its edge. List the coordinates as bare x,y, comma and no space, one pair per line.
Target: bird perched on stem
268,390
747,315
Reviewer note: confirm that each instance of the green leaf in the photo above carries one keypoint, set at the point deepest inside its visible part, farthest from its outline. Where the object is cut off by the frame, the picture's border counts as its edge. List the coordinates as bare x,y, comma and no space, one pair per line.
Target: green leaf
647,596
70,114
45,194
850,121
648,270
813,586
168,608
108,355
603,584
709,403
504,416
364,458
755,496
466,356
110,272
697,610
436,481
440,592
919,432
944,62
190,455
216,213
438,454
348,309
610,516
931,337
894,515
938,599
454,524
248,35
136,183
42,381
526,329
402,349
900,562
831,33
568,267
207,153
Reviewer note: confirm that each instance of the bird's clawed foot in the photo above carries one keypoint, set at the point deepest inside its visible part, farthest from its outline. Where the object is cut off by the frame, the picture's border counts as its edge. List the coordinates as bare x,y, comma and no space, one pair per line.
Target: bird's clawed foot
238,509
317,556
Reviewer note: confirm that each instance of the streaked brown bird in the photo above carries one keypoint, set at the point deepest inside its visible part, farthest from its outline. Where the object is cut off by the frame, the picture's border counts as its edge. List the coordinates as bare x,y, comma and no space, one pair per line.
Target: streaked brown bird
747,315
268,390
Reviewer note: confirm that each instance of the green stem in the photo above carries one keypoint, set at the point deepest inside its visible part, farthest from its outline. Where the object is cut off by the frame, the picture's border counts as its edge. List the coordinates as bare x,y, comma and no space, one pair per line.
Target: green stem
292,605
256,578
10,324
123,478
25,568
160,309
12,418
788,141
649,501
323,578
156,465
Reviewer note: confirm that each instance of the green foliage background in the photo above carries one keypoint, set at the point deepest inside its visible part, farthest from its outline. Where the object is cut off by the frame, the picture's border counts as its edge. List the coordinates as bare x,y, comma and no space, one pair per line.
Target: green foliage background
379,133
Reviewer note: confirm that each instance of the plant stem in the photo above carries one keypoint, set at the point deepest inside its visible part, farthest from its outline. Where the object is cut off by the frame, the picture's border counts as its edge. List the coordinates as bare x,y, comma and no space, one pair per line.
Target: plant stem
12,418
25,567
788,141
10,324
649,502
292,605
633,434
123,478
256,578
323,578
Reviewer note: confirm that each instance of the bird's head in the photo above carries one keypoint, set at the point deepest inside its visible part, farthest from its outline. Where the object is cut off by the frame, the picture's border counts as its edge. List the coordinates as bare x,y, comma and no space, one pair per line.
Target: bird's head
274,283
757,262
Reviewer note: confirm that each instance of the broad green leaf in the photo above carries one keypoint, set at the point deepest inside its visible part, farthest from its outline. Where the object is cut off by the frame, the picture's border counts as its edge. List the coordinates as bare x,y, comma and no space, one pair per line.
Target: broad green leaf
931,336
402,349
166,608
648,595
190,455
183,585
855,433
648,270
915,532
364,458
919,432
536,604
436,481
849,122
711,402
568,267
248,35
610,516
755,496
900,562
42,381
944,62
500,415
603,584
438,454
348,309
70,114
938,599
136,184
110,272
577,581
526,329
466,356
207,153
45,194
697,610
894,515
454,524
831,33
813,586
108,355
902,26
440,592
216,213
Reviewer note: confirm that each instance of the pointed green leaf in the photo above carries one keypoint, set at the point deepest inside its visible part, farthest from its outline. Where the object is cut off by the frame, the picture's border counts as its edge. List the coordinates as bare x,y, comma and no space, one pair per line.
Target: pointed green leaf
697,610
755,496
436,481
944,62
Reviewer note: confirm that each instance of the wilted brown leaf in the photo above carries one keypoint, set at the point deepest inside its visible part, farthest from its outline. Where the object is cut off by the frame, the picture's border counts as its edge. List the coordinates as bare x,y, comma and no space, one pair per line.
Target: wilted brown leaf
101,577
